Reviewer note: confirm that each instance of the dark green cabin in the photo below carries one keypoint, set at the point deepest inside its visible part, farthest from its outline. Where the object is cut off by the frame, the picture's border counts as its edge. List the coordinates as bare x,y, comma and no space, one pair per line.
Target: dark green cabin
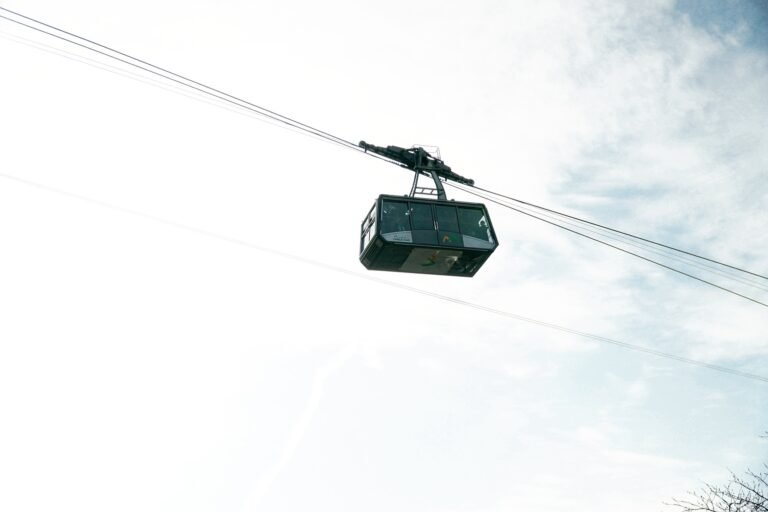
426,236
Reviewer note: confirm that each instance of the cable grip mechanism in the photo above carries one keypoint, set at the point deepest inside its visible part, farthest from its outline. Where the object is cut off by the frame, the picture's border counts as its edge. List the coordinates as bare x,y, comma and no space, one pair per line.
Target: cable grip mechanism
421,162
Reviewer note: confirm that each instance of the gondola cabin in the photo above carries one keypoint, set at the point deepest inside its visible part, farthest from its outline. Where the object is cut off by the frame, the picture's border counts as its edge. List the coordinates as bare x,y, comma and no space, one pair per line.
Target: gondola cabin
426,236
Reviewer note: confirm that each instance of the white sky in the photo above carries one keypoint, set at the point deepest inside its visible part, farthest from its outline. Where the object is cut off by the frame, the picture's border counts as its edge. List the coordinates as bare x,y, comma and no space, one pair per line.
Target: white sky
144,366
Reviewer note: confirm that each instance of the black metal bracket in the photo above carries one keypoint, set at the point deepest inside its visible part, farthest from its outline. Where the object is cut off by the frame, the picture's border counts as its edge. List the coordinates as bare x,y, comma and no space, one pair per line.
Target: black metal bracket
420,162
438,191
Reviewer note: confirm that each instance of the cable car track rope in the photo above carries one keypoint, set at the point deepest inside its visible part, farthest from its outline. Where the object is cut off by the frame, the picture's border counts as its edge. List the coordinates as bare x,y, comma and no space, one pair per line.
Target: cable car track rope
412,289
594,239
231,100
178,79
639,245
520,201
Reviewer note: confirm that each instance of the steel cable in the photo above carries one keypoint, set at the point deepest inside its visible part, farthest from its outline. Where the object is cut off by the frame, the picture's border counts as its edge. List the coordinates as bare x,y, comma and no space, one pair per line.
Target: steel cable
710,283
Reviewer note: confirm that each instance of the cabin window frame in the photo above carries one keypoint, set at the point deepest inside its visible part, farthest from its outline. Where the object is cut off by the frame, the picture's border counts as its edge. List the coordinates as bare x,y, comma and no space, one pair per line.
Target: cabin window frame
387,217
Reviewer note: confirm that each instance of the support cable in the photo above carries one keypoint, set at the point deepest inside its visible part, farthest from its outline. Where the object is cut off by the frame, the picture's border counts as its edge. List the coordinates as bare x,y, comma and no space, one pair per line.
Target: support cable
681,259
181,80
488,198
632,242
154,82
520,201
182,77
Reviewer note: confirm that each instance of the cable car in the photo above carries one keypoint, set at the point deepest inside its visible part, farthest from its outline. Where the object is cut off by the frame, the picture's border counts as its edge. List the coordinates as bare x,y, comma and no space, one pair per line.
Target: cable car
425,235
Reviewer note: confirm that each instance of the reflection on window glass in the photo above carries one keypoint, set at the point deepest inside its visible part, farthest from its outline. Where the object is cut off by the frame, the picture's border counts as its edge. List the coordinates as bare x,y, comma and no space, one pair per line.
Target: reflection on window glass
473,223
369,227
374,216
446,218
394,217
421,216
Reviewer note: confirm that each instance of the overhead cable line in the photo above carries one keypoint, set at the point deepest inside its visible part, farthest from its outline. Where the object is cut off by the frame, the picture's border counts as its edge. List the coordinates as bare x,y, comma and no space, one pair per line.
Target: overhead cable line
412,289
180,79
520,201
609,234
710,283
153,81
644,247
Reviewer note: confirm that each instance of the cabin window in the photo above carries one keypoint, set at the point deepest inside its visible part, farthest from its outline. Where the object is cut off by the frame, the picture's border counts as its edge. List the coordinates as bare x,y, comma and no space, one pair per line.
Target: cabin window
446,218
447,226
474,223
394,217
421,216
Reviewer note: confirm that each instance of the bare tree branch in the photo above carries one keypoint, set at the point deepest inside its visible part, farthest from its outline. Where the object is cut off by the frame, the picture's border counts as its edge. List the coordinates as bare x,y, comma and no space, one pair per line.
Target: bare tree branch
740,494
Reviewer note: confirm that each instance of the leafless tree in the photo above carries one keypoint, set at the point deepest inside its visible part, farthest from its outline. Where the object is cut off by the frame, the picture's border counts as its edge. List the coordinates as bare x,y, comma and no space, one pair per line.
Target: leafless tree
740,494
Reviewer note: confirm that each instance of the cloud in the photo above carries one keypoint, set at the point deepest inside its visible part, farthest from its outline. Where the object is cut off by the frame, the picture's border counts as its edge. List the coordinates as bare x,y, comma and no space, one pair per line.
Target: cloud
673,147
